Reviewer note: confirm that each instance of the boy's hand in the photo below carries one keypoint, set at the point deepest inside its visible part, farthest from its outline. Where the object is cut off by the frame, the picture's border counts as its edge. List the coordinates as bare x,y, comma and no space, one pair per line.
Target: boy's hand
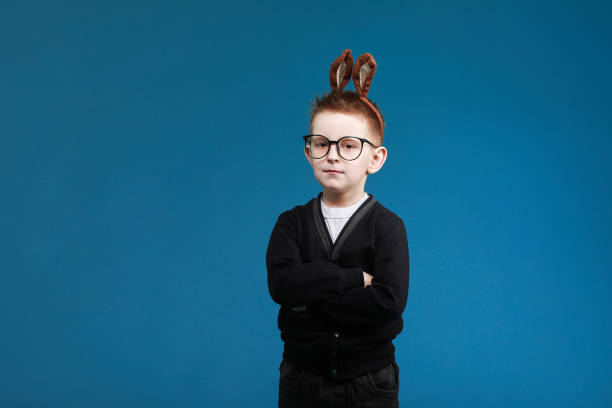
367,279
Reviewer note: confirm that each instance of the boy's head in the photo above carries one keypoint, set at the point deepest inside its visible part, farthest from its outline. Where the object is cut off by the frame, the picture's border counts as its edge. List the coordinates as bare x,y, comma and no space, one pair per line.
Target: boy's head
353,121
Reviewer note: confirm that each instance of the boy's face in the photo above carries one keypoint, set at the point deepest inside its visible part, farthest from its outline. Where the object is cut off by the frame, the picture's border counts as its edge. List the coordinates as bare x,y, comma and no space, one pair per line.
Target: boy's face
351,175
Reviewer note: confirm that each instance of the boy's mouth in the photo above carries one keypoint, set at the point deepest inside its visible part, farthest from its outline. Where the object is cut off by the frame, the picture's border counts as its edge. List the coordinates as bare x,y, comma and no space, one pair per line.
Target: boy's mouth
332,171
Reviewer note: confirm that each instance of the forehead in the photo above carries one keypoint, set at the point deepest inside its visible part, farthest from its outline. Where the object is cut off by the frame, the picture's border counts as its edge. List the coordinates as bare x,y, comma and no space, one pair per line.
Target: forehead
337,124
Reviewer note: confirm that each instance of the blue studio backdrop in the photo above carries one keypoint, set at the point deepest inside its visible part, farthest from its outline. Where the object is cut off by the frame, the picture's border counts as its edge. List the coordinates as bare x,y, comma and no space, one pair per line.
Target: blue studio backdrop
147,149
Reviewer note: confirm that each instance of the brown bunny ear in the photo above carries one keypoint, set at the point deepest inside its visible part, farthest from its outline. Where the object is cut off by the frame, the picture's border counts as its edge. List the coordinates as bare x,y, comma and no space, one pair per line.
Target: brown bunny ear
340,71
363,72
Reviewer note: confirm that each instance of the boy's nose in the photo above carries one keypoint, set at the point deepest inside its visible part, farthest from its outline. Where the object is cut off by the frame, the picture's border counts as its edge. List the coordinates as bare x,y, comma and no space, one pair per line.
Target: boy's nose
332,154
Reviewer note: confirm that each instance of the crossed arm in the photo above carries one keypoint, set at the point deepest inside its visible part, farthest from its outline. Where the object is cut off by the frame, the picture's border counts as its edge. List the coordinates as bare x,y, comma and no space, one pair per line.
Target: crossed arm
346,296
293,283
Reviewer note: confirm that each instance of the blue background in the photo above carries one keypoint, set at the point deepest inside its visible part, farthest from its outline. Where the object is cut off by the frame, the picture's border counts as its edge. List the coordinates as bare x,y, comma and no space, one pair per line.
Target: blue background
147,148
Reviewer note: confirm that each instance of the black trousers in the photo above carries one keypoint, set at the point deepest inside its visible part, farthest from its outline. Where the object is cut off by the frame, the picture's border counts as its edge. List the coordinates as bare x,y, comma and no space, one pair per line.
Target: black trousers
301,388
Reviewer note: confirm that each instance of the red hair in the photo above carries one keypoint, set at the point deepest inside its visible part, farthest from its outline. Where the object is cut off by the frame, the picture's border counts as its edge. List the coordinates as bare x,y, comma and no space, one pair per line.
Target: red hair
348,102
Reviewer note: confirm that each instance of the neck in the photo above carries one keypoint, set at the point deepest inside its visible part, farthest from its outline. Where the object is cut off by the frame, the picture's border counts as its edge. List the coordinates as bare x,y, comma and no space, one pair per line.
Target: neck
346,199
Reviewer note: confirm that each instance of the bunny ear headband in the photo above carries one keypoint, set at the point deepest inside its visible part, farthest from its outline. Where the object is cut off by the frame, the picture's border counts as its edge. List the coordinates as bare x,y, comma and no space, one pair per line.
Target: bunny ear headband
340,73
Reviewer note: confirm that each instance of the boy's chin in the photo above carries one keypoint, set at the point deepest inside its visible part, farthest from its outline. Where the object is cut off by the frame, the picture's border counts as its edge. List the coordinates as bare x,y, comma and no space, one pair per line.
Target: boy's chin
336,187
333,187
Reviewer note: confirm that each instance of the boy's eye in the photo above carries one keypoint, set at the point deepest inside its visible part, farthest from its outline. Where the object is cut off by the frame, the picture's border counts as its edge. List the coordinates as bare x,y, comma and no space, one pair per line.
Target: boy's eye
349,145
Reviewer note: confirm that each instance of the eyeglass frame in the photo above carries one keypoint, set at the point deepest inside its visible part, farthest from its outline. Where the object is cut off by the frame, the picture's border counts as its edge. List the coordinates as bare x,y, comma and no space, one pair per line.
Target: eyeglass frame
337,145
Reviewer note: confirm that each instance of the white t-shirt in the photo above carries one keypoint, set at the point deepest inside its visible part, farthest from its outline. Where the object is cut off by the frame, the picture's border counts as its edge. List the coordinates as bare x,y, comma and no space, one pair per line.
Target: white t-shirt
336,217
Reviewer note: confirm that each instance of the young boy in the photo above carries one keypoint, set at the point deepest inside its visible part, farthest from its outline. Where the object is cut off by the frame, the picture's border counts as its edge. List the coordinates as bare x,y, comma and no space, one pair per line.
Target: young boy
338,265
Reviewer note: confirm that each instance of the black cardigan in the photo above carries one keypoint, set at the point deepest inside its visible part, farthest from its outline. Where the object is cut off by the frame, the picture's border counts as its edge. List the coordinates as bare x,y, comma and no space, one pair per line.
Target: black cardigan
330,323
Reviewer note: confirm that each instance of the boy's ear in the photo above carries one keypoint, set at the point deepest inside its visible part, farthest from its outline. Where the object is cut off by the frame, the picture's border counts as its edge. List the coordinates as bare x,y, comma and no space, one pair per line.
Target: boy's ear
363,72
340,71
379,156
307,155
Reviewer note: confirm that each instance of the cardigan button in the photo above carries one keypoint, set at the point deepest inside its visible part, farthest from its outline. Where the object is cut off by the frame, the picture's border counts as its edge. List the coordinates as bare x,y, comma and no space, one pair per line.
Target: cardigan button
336,334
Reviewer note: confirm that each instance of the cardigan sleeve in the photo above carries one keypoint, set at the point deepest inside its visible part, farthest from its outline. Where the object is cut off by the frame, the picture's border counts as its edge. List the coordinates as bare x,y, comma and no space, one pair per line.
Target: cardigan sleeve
293,283
385,299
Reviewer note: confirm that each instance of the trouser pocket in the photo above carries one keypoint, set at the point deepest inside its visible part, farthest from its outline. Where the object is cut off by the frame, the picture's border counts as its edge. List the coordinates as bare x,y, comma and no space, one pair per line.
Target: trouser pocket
383,382
290,376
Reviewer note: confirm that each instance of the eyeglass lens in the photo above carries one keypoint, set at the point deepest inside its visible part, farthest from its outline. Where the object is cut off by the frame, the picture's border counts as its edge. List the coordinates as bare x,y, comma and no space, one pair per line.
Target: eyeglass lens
349,147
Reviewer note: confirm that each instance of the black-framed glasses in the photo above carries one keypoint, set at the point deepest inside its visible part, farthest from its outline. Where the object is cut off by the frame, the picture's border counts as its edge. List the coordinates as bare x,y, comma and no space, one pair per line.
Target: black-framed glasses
348,147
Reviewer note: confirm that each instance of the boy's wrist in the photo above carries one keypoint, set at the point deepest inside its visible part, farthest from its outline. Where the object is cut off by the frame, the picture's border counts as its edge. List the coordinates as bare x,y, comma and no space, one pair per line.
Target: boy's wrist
367,279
